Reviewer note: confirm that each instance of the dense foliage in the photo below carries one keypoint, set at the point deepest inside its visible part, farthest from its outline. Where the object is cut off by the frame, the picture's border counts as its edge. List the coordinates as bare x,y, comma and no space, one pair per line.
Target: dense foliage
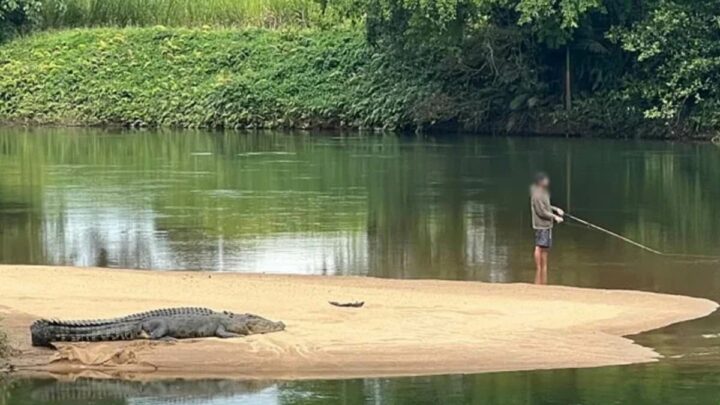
256,78
550,21
678,53
603,67
17,16
646,67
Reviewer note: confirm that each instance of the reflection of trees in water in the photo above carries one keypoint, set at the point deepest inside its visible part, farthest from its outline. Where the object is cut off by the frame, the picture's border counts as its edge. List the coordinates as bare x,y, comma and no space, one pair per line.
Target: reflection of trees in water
677,187
384,206
486,254
427,218
82,231
665,382
151,200
110,392
20,218
20,232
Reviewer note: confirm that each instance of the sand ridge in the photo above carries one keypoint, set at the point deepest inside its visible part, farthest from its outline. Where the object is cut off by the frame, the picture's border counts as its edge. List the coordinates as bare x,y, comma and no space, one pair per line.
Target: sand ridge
407,327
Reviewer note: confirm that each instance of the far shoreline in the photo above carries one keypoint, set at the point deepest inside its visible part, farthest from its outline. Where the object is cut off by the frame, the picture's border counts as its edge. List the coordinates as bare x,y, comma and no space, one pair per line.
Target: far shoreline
710,138
407,327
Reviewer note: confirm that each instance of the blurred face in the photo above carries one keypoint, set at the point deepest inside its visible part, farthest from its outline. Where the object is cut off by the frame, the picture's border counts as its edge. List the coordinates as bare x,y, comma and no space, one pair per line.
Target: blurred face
544,183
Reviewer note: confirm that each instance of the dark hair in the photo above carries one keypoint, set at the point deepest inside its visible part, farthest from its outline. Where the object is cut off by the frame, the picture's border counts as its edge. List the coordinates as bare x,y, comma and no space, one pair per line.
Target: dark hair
540,177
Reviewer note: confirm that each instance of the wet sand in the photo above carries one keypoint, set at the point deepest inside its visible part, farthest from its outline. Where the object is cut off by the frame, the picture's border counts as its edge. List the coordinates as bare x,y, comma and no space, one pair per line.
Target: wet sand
407,327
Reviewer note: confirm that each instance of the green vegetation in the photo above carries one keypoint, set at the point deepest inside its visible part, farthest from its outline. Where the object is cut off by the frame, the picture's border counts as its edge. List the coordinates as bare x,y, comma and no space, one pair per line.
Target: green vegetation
186,77
255,13
677,47
617,68
4,349
223,78
614,67
16,16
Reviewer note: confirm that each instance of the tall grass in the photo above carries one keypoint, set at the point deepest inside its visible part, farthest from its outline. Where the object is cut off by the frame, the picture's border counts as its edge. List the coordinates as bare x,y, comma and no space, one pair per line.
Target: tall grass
255,13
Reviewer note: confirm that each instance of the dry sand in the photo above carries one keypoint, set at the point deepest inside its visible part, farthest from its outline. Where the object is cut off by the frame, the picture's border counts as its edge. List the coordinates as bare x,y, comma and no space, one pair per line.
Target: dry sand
407,327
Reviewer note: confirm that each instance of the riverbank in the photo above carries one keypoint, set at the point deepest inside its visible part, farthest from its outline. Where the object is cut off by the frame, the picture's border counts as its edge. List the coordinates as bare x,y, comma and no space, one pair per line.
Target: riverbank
208,78
407,327
292,78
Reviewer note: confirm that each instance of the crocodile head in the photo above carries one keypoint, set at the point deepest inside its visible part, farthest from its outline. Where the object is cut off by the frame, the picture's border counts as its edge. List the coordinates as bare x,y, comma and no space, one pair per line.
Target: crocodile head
252,324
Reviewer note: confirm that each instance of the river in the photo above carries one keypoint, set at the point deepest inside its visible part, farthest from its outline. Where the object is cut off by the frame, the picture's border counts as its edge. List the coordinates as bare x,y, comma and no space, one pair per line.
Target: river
382,206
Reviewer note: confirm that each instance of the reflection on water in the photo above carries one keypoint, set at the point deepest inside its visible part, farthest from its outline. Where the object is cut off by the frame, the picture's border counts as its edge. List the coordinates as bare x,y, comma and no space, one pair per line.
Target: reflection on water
641,384
107,392
385,206
382,206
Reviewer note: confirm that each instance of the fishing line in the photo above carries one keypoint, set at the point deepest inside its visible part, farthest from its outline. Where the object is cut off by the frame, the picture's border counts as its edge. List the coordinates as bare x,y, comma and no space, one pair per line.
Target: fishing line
638,244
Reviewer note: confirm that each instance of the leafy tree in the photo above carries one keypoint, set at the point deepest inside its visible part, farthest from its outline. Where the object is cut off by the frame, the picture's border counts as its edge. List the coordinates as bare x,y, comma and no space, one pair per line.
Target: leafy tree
17,15
555,22
576,26
552,22
677,48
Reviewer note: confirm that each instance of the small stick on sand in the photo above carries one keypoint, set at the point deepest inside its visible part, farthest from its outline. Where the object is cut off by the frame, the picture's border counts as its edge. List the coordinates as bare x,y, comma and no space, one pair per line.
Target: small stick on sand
356,304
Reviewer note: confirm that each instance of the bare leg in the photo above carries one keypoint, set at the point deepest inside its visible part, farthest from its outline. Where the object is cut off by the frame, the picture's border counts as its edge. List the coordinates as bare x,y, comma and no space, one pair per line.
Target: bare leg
544,255
538,264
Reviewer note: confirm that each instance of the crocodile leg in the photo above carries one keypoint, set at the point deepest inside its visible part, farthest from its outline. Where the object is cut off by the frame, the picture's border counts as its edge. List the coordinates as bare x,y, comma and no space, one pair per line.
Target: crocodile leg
157,329
221,332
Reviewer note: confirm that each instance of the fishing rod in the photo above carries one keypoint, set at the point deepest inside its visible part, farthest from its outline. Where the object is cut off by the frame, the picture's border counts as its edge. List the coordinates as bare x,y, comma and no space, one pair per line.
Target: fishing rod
638,244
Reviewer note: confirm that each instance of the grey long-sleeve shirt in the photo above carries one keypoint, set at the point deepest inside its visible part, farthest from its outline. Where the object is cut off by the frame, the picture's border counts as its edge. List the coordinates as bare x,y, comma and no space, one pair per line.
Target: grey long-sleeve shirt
542,211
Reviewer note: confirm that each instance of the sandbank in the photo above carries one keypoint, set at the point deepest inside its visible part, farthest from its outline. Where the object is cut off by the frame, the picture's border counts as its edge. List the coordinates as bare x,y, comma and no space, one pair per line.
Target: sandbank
407,327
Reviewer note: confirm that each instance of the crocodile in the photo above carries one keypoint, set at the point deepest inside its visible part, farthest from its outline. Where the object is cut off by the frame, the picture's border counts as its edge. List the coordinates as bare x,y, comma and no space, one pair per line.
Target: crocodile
170,323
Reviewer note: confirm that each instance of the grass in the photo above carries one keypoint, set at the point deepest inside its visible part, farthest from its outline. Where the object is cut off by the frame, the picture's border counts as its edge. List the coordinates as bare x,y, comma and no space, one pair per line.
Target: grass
4,348
175,13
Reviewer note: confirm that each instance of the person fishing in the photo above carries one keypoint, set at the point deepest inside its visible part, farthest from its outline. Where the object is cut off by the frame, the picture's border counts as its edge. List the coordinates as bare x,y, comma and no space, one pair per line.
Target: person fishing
544,216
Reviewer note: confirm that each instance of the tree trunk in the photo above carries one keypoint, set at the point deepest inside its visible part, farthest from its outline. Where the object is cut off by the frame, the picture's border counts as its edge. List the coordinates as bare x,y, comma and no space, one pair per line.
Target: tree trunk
568,91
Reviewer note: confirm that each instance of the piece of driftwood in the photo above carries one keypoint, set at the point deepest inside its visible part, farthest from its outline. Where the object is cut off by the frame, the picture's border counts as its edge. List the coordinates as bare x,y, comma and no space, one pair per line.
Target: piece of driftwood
356,304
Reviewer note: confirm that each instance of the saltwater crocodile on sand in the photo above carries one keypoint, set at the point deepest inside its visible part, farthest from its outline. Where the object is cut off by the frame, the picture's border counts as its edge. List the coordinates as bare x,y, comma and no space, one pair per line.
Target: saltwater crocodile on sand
177,323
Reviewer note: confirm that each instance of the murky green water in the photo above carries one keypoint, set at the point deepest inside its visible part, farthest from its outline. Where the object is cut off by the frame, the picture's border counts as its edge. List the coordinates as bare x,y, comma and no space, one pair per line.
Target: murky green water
382,206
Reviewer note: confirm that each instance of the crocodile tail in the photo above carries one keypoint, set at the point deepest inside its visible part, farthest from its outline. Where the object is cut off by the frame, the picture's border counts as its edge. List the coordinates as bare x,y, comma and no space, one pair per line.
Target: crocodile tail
166,312
44,332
